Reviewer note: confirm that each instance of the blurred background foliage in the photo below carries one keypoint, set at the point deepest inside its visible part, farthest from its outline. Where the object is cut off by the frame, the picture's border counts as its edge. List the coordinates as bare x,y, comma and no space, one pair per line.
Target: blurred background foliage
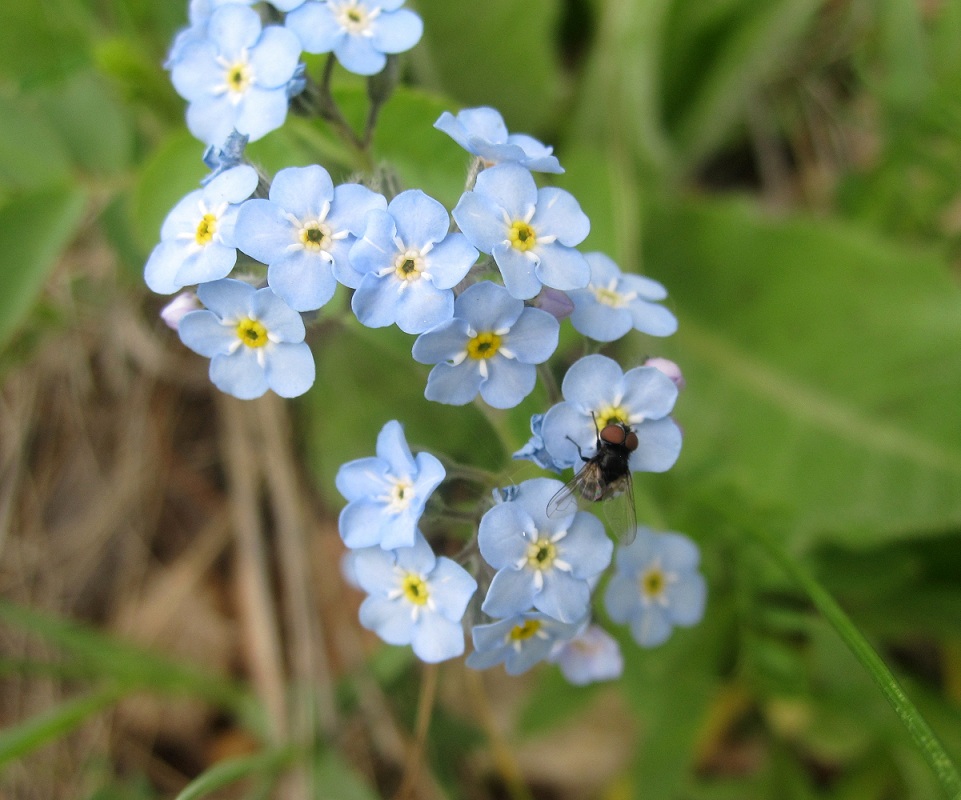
789,169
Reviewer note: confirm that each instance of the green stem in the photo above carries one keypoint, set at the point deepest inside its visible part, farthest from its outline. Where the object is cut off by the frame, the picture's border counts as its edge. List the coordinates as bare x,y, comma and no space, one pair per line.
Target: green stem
925,739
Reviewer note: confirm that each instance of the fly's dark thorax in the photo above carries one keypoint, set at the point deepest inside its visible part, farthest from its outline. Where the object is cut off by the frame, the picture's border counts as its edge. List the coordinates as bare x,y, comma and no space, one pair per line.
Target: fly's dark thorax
612,461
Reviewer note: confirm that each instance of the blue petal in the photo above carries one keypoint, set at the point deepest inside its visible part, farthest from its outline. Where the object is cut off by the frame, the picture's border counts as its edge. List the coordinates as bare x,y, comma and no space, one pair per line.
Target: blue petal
392,447
228,299
533,338
511,187
508,382
593,381
373,570
451,587
303,280
302,191
651,627
511,592
375,300
231,186
598,321
501,534
622,598
559,214
376,250
316,27
686,599
435,638
649,391
646,288
263,231
282,322
441,343
357,54
652,319
362,523
455,386
350,206
391,620
420,219
212,263
421,306
586,547
204,333
262,111
518,269
419,558
659,445
481,220
239,374
396,31
488,307
450,260
534,495
290,369
677,552
275,57
563,597
362,477
233,28
430,472
562,267
565,428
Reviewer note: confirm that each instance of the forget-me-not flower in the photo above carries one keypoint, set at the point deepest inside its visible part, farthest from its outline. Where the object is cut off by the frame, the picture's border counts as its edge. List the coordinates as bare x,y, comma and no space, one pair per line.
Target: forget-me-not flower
414,598
596,394
239,76
406,265
542,562
531,233
253,339
482,132
657,586
361,33
386,493
518,642
614,302
590,657
196,239
535,450
303,230
198,13
490,346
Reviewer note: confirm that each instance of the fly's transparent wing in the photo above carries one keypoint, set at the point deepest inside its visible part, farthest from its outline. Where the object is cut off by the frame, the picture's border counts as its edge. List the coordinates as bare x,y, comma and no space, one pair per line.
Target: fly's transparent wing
585,485
619,509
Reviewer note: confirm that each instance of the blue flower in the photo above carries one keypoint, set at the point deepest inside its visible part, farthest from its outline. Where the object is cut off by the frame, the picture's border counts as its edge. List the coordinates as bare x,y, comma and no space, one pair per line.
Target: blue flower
591,656
482,132
657,586
491,346
542,562
519,642
359,32
530,232
415,598
386,494
196,240
304,231
597,393
225,157
240,76
614,302
198,15
254,341
406,265
535,450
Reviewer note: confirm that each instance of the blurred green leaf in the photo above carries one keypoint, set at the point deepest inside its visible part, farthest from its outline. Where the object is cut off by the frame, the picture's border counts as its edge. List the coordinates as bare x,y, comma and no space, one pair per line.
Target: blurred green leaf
19,739
225,773
496,54
335,778
35,227
822,366
96,130
43,42
32,151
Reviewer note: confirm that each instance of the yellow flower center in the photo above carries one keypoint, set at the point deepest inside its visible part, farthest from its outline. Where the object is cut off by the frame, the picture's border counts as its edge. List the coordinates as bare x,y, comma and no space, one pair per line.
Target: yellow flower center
408,267
352,16
415,589
522,236
315,237
611,415
608,297
206,229
484,345
653,583
251,332
541,554
521,632
238,77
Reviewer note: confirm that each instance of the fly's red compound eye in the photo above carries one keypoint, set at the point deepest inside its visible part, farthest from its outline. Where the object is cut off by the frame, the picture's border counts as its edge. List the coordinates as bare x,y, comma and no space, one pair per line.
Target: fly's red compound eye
630,442
614,434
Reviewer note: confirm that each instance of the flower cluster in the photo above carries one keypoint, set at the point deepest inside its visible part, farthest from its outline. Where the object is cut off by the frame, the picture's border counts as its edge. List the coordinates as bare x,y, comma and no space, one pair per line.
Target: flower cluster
486,287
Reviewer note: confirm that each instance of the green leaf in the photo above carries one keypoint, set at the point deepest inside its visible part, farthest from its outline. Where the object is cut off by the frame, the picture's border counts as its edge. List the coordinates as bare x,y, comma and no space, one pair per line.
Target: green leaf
474,50
18,740
337,779
32,152
224,773
35,227
822,369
